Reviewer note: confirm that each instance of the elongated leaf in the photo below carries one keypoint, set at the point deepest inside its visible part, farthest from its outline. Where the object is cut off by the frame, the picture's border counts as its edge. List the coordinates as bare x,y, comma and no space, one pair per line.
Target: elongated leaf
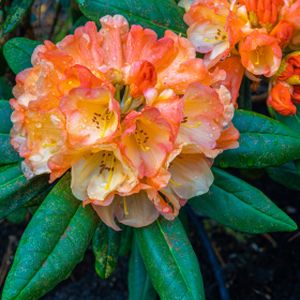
126,240
16,13
106,244
293,122
287,175
139,283
16,191
170,260
156,14
236,204
5,112
53,243
8,154
17,52
263,142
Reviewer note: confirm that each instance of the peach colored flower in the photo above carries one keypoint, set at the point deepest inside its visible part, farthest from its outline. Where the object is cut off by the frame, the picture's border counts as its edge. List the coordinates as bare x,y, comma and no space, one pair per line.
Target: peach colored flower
257,30
137,119
260,53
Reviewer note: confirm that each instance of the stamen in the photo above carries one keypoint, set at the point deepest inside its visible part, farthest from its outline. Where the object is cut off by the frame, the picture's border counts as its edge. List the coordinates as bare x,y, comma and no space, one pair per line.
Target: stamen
141,137
111,169
174,182
190,125
125,206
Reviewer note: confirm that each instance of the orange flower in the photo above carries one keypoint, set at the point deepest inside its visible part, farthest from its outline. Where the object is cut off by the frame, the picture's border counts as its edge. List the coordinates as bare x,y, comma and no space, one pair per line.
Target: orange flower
280,100
290,69
263,12
257,30
260,53
137,119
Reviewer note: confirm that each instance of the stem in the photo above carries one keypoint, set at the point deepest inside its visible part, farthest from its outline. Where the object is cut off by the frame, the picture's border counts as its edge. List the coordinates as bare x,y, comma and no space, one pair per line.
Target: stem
211,255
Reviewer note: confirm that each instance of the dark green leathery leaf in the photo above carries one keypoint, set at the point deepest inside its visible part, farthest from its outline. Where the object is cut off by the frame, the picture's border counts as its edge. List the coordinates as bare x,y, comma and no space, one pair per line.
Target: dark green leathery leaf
18,51
106,245
263,142
52,245
170,260
235,203
156,14
139,283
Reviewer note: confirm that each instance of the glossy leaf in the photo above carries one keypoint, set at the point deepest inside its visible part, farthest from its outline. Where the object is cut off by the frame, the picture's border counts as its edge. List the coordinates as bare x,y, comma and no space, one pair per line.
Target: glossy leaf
53,243
236,204
8,154
156,14
287,175
263,142
293,122
17,52
16,191
170,260
16,12
106,244
139,283
5,112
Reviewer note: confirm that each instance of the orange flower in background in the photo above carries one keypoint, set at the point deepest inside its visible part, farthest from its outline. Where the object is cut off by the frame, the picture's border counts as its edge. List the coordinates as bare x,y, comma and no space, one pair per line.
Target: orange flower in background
260,53
137,119
257,30
285,90
280,99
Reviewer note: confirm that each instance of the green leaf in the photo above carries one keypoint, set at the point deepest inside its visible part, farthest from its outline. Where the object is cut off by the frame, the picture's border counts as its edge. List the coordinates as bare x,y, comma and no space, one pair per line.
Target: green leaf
287,175
5,112
17,52
8,154
170,260
16,12
293,122
18,216
106,243
240,206
263,142
53,243
139,283
156,14
126,240
16,191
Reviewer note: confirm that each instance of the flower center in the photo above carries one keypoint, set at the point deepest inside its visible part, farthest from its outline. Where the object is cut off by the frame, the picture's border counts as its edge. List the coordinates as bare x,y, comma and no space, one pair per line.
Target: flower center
103,121
141,136
107,165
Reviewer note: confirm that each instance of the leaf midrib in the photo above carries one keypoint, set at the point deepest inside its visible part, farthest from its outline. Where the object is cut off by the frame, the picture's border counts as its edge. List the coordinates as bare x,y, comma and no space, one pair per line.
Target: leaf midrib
174,257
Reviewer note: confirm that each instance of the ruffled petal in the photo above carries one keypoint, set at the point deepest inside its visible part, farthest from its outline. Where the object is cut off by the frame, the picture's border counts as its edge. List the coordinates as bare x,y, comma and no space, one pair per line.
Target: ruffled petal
92,116
146,141
202,122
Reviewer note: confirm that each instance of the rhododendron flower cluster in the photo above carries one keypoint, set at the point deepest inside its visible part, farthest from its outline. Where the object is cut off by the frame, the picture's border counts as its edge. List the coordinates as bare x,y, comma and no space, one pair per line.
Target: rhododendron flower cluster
247,35
256,30
137,119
